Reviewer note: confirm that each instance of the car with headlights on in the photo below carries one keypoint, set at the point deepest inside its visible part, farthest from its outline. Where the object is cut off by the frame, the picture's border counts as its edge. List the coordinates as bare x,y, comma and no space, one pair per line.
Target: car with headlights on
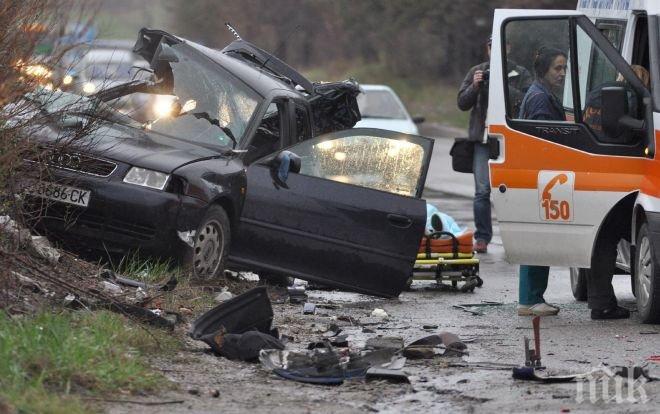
252,167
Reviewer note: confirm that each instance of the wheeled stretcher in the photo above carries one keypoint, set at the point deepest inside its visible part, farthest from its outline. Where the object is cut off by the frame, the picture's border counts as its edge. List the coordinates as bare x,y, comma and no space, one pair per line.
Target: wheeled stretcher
449,260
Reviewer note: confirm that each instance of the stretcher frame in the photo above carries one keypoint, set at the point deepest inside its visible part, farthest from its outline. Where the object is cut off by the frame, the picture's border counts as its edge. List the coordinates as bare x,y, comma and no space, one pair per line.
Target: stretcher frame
452,270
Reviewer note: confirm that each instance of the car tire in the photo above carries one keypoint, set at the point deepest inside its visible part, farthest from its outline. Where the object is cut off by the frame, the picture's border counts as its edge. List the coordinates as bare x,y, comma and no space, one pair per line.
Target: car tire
579,283
208,255
647,276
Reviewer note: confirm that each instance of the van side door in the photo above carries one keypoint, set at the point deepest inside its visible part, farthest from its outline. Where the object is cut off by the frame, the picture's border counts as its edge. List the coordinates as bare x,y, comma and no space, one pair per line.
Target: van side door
557,178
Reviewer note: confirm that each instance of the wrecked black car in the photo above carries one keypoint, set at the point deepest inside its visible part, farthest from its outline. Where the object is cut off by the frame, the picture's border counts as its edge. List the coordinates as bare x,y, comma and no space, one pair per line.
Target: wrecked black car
254,168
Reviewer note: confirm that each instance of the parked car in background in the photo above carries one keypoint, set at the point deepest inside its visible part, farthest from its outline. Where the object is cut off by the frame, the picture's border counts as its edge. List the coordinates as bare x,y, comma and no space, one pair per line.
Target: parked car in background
211,182
381,108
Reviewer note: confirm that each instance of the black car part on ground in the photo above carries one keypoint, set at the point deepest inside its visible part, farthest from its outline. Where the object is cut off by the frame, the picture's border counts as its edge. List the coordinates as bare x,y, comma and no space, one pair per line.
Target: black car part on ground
240,327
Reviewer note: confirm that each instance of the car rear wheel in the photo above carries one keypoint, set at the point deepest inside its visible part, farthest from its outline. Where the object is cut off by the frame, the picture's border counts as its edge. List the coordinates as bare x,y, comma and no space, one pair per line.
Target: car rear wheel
647,275
208,255
579,283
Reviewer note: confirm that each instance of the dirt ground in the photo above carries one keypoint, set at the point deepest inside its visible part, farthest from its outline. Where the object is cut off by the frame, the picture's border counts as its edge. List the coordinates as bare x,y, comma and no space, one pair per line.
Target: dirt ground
571,342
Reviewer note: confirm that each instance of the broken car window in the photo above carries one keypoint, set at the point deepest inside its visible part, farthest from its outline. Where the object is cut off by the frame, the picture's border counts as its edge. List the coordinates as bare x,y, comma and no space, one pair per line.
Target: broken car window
384,164
219,106
220,97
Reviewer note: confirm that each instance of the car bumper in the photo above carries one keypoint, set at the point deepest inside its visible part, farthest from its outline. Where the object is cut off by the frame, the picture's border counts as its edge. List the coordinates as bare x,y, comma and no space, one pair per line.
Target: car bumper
121,217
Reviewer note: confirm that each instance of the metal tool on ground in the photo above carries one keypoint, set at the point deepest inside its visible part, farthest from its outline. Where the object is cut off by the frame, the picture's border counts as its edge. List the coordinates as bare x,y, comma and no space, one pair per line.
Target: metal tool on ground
533,356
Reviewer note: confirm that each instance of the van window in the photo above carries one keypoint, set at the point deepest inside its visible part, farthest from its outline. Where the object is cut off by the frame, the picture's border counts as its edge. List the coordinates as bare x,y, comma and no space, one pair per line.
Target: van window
594,65
540,47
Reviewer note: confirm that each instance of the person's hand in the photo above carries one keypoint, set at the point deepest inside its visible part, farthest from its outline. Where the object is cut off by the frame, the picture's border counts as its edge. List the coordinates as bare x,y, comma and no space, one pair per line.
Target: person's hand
477,79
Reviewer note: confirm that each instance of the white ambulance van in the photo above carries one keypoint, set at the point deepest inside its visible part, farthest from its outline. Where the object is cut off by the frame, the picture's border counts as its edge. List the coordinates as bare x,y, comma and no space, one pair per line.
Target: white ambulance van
568,191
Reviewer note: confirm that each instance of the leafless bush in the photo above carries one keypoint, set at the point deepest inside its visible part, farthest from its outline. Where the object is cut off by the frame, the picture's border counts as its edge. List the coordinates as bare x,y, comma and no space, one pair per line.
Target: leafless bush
29,56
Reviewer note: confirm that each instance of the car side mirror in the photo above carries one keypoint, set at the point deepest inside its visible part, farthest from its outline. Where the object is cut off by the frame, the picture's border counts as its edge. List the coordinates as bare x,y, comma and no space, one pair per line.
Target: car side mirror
282,164
418,119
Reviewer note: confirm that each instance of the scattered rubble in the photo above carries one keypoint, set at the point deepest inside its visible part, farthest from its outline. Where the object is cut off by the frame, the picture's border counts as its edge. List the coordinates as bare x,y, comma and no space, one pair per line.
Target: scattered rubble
379,313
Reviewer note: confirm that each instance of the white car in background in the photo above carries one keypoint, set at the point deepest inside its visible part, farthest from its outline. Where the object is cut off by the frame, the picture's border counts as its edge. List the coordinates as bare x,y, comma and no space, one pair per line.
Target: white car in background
381,108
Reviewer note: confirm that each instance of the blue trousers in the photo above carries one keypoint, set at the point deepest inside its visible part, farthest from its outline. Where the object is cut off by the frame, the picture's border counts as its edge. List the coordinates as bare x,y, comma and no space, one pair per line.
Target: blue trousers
482,215
532,285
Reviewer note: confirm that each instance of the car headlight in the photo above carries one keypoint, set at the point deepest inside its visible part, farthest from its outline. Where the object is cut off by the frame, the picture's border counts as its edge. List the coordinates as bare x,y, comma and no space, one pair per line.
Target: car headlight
146,178
164,106
89,88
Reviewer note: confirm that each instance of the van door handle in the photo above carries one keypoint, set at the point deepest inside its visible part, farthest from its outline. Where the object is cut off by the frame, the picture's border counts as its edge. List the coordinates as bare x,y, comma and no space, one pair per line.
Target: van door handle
399,221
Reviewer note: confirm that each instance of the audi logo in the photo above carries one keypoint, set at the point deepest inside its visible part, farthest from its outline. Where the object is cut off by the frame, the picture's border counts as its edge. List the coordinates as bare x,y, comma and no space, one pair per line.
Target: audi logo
65,160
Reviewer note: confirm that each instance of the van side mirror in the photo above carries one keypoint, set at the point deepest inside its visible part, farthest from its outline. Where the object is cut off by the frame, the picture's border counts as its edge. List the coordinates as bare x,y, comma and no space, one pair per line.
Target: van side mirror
418,119
617,122
614,107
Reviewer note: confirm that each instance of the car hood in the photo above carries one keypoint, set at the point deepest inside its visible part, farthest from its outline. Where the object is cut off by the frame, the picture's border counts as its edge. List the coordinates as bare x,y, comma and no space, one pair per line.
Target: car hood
148,149
398,125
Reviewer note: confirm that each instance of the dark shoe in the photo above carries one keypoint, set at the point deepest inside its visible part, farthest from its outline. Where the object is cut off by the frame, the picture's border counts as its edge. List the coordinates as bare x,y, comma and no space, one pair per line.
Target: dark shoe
613,313
481,246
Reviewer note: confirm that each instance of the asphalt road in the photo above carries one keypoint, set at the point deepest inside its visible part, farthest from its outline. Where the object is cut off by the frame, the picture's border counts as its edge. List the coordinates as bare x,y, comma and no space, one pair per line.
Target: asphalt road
570,343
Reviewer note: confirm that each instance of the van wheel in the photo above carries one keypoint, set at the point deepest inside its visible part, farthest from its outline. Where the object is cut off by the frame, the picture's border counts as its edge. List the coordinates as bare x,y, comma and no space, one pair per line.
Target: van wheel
647,277
579,283
208,255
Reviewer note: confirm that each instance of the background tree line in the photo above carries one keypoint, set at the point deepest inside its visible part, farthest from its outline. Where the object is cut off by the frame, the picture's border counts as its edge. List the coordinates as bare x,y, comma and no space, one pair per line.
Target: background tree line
427,39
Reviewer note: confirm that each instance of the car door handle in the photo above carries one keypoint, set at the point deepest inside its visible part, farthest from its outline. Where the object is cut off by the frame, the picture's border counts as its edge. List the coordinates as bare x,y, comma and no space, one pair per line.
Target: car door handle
399,221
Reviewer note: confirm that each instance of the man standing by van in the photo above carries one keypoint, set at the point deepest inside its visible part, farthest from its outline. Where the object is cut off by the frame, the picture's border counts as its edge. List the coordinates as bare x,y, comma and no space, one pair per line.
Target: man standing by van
473,95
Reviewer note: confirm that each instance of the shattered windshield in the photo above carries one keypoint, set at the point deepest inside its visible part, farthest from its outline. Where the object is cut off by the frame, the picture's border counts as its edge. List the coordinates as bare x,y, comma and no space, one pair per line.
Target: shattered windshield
206,104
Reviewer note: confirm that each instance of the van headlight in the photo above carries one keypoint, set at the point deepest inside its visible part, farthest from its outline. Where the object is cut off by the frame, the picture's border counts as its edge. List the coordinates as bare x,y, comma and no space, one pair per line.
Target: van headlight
146,178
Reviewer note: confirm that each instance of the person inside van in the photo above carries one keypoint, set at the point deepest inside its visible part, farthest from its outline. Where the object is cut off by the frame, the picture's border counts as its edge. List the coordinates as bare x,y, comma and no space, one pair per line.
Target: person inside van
541,103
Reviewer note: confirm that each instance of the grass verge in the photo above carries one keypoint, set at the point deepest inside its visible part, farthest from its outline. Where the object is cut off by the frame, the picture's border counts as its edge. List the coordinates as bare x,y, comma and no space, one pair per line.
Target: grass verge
49,362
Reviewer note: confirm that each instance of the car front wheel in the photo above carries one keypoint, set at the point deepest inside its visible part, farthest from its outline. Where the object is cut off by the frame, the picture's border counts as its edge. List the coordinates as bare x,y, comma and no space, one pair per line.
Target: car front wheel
209,252
647,275
579,283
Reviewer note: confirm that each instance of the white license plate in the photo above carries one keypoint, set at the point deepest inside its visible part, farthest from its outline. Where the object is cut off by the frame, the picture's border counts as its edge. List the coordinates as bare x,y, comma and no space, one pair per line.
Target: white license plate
63,193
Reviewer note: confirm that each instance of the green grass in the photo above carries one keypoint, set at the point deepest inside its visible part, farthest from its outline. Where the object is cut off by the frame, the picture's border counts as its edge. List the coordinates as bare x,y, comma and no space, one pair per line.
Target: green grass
48,361
432,98
145,269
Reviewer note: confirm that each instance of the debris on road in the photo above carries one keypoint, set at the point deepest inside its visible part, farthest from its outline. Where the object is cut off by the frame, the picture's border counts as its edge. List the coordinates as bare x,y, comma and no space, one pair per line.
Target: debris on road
385,342
325,366
379,313
223,296
468,310
297,294
309,309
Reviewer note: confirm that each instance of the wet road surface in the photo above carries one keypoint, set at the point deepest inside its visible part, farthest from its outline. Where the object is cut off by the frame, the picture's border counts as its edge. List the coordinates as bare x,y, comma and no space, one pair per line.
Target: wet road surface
571,343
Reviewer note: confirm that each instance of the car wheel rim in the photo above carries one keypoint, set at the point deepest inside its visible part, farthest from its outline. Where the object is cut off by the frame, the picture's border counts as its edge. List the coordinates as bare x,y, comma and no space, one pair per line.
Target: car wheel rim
644,272
208,249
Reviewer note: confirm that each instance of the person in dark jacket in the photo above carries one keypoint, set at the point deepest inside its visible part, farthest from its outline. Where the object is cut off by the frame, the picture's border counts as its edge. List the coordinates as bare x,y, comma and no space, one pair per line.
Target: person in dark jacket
541,103
473,96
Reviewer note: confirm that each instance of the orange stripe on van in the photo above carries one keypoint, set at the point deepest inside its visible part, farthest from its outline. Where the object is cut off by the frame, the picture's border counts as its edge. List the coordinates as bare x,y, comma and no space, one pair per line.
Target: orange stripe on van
526,155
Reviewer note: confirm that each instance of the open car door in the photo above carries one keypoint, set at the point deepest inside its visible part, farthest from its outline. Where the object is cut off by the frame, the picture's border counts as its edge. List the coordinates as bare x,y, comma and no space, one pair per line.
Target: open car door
556,180
352,217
